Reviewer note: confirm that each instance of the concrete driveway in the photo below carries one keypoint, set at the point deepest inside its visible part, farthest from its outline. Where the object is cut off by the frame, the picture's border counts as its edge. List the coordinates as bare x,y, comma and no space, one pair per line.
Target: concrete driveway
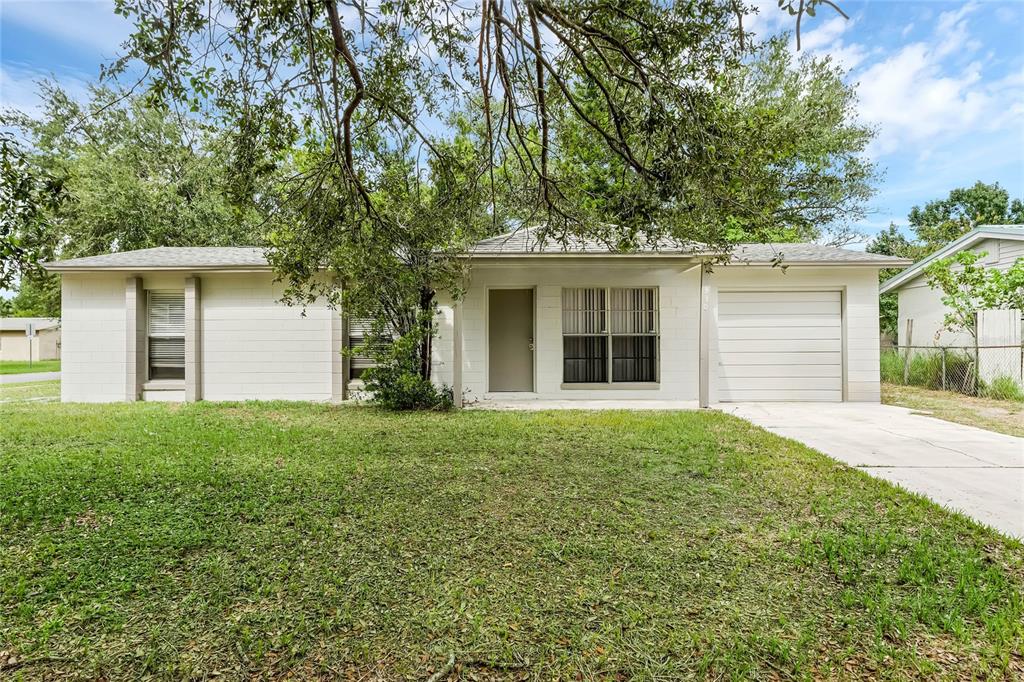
974,471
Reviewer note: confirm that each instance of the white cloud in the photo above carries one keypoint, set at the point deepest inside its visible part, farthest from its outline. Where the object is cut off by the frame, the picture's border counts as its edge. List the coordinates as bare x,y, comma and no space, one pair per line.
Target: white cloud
90,23
19,86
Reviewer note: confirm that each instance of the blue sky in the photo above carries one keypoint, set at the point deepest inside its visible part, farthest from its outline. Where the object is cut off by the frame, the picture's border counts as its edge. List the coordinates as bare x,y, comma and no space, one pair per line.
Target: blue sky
942,81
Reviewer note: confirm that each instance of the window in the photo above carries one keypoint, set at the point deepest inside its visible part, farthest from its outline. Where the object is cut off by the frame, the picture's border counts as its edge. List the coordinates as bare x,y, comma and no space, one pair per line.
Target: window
361,359
166,334
609,335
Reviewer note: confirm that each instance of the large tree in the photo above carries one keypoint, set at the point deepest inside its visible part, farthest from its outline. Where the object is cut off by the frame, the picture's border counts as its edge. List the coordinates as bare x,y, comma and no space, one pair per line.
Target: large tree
114,173
943,220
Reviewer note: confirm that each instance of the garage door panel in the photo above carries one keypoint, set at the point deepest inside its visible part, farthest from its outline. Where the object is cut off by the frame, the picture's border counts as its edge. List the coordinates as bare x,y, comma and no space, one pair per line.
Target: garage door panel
780,345
772,296
776,394
780,358
781,307
787,383
768,320
795,345
824,332
779,371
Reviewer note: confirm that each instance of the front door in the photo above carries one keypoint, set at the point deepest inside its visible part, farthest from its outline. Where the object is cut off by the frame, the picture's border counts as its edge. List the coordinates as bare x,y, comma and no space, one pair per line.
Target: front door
510,340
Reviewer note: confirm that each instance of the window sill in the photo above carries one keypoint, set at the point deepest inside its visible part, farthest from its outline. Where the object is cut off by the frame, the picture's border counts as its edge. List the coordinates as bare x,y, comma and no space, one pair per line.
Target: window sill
164,385
620,386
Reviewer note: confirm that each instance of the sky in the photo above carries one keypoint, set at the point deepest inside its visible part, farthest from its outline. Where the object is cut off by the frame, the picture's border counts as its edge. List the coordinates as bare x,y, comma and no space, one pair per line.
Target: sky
943,82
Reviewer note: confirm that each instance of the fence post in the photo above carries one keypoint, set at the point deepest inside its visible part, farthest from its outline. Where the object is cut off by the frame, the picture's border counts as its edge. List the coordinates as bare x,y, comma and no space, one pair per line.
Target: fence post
943,368
906,354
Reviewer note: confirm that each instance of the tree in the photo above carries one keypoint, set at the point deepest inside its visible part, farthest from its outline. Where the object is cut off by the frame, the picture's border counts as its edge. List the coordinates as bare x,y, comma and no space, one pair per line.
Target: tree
37,296
114,174
968,287
625,122
943,220
892,242
27,195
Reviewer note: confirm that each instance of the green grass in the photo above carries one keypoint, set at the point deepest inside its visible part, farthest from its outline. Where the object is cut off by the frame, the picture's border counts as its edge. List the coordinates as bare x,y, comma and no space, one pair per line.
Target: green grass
23,367
30,391
999,415
276,540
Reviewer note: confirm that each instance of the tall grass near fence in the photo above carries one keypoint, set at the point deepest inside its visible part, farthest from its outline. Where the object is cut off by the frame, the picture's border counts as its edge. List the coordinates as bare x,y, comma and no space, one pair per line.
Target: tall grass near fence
955,369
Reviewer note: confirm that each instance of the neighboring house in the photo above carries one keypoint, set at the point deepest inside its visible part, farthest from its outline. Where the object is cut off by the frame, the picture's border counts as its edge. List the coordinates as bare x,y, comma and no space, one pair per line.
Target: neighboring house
537,321
15,344
1002,244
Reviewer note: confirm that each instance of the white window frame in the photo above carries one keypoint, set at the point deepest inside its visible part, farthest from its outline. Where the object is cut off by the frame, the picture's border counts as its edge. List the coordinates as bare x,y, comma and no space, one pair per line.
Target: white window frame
606,315
149,330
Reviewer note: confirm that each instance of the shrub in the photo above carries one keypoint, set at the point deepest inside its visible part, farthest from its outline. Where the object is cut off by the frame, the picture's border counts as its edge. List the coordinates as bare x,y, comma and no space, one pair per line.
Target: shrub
396,383
1002,388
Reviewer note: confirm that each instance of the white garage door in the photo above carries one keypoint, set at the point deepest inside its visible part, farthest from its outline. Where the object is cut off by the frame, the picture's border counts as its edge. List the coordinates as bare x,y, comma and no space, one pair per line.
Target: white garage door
780,345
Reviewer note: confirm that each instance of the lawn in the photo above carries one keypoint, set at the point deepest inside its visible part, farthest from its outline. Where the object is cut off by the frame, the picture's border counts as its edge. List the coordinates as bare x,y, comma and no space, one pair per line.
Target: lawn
294,540
30,391
23,367
1002,416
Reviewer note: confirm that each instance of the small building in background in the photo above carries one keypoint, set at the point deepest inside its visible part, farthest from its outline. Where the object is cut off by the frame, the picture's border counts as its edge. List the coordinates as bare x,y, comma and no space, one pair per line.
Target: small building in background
14,338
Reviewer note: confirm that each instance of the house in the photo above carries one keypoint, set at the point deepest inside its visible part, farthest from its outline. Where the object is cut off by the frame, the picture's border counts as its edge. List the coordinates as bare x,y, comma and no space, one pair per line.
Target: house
17,345
538,320
1002,246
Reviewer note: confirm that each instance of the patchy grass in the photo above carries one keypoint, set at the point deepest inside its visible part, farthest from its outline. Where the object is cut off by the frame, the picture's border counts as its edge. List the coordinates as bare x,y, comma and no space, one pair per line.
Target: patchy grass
275,540
1001,416
20,367
30,391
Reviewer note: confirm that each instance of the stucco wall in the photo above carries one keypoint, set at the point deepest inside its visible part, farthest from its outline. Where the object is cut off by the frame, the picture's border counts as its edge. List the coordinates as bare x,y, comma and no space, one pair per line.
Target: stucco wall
859,287
93,354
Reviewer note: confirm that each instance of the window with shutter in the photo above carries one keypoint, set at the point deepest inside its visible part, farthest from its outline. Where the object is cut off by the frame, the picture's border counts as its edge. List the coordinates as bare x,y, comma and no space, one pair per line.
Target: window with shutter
166,334
361,358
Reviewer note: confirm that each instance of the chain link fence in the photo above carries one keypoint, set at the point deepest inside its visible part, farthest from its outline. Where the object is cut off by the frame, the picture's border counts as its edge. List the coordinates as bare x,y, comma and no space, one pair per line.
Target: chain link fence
985,371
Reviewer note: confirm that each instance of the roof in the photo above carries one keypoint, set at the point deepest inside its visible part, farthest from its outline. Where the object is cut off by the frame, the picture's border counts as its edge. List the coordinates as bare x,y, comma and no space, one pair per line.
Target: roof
515,244
169,258
978,234
19,324
525,243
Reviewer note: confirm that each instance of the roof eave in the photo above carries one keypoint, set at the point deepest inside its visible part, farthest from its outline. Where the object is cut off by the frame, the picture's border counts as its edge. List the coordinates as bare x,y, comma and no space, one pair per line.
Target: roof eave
58,268
963,242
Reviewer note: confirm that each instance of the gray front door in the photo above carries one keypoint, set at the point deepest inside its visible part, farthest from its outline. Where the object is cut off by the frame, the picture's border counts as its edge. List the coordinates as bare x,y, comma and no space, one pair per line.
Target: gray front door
510,340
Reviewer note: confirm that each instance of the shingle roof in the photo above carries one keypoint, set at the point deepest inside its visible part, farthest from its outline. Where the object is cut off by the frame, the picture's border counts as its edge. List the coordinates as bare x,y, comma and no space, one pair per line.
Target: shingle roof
9,324
169,258
525,242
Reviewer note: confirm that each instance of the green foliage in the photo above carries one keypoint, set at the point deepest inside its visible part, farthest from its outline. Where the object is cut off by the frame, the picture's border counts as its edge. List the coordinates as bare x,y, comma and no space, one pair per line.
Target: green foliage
38,295
943,220
1002,388
968,287
28,195
926,368
398,381
116,173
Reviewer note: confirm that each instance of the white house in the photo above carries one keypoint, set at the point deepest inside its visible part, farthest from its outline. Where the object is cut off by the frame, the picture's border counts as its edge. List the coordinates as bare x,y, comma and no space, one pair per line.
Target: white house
537,321
17,345
1002,246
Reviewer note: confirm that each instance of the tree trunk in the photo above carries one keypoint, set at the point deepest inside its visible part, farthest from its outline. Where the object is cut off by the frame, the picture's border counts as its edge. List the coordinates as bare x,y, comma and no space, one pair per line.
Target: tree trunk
427,320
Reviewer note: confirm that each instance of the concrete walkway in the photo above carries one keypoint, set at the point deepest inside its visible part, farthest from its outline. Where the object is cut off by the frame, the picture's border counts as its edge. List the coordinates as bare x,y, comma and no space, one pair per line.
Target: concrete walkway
977,472
529,404
25,378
